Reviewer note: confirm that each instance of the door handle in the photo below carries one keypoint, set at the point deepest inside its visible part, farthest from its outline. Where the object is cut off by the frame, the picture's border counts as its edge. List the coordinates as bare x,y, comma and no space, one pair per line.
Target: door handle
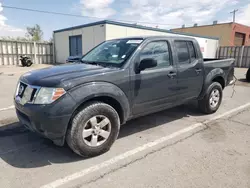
172,75
198,71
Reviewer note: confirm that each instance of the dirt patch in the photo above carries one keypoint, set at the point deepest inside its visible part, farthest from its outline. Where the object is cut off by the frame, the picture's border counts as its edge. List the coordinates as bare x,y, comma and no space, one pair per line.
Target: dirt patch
214,133
232,152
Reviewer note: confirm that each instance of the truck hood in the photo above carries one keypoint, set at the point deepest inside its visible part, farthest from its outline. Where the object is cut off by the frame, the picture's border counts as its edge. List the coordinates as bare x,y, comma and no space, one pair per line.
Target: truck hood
55,76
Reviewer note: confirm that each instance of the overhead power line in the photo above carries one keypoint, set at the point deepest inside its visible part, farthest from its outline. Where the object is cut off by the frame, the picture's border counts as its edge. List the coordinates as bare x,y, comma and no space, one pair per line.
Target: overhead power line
81,16
46,12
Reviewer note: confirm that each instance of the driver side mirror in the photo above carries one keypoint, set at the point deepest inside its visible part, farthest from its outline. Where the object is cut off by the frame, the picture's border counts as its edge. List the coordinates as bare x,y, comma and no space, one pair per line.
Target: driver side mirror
147,63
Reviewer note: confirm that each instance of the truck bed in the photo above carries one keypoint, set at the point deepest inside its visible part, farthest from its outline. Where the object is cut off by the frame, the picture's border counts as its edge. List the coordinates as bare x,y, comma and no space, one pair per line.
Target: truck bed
227,65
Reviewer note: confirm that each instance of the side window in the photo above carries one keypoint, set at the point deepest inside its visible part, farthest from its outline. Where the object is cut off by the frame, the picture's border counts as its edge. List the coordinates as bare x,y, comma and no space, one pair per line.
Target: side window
191,51
182,52
159,51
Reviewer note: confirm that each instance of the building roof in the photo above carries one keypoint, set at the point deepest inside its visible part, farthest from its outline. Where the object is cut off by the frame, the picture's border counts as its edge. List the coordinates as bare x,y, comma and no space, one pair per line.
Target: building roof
203,25
132,26
228,23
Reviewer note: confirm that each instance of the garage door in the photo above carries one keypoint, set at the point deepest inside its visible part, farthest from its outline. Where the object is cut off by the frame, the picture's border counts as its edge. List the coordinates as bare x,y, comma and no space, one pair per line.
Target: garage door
239,39
75,45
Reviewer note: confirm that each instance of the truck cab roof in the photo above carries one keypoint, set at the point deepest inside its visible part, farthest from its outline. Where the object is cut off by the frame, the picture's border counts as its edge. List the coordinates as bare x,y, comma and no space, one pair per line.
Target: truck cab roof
155,37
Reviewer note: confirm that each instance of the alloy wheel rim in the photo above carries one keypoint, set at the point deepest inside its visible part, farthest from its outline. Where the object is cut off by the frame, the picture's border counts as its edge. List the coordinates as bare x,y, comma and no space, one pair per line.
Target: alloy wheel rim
214,98
96,131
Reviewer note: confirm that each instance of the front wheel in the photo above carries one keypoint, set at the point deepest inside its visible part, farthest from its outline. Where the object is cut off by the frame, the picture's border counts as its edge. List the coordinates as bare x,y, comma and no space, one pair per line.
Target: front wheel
93,130
212,99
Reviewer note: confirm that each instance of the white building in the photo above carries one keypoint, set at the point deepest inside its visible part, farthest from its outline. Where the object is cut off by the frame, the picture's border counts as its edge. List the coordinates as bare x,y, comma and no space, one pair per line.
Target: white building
79,40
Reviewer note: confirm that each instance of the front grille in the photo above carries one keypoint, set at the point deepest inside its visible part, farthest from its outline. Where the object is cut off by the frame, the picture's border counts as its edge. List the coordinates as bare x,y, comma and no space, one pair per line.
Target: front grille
26,93
21,89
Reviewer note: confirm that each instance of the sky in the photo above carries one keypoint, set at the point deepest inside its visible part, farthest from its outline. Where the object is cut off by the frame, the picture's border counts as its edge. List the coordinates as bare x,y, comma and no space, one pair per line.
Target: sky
165,14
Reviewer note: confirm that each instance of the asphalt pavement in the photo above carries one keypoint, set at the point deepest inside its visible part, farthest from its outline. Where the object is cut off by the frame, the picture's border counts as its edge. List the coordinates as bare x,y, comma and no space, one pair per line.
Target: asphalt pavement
179,147
218,156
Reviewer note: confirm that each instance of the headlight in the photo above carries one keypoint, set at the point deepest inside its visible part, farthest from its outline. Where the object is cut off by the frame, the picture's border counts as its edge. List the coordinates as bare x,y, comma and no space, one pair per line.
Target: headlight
48,95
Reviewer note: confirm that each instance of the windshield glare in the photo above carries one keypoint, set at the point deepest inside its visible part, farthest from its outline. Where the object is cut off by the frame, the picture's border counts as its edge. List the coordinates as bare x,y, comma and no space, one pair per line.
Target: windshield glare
113,53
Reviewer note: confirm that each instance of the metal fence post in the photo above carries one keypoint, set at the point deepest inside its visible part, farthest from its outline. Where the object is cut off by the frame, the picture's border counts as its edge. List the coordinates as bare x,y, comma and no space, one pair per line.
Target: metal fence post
35,53
53,53
17,56
218,52
7,52
241,55
2,54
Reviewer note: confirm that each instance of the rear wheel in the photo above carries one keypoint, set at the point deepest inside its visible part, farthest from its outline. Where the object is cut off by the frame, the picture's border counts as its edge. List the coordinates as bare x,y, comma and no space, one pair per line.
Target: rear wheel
212,99
29,63
93,130
248,75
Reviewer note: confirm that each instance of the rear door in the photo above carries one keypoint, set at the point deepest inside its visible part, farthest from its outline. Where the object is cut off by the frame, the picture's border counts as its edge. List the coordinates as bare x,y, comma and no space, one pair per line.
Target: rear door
190,70
154,88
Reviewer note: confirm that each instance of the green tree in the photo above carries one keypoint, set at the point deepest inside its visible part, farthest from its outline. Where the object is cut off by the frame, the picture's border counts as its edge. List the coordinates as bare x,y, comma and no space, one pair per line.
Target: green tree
35,33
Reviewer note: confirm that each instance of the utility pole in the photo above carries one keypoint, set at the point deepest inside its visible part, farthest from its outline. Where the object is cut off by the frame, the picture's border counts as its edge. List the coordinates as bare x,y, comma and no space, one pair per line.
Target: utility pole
234,13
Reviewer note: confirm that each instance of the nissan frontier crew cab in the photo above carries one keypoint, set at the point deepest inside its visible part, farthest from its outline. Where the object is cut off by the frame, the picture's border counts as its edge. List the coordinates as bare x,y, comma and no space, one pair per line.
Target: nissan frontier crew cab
85,103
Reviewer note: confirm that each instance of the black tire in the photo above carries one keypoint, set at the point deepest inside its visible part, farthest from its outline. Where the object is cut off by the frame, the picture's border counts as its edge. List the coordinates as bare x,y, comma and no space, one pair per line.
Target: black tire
29,63
248,75
23,63
74,134
204,104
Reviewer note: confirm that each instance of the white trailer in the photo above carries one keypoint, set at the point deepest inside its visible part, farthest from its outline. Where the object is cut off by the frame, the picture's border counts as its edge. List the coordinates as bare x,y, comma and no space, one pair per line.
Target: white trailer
78,40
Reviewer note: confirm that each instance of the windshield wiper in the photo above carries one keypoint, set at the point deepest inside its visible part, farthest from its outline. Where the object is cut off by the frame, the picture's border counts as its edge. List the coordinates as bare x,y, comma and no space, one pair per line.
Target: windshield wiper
91,63
102,64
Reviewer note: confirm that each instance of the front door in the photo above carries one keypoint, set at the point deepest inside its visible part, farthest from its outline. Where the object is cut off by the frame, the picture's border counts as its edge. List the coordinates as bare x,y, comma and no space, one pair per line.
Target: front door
190,71
155,88
75,45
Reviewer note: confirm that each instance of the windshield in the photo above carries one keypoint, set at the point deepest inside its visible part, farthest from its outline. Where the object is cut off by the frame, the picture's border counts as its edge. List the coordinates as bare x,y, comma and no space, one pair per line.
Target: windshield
112,53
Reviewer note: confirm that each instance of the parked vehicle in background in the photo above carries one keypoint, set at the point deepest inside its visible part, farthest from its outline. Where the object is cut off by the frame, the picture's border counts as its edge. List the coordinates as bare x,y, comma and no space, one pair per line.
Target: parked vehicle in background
248,75
73,59
119,80
25,61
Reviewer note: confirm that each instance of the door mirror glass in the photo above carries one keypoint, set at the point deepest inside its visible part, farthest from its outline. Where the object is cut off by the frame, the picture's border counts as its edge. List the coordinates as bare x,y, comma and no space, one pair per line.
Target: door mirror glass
147,63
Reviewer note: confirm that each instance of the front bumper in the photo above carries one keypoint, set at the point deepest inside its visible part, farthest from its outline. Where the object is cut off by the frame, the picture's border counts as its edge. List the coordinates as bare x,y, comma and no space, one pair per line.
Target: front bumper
50,121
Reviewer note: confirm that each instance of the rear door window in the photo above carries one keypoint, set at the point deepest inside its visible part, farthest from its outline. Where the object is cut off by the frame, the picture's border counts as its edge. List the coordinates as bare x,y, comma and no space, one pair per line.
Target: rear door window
182,52
191,51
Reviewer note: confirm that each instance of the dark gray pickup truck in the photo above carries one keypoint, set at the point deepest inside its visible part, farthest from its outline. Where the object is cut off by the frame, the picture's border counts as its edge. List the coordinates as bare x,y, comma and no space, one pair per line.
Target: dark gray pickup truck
85,103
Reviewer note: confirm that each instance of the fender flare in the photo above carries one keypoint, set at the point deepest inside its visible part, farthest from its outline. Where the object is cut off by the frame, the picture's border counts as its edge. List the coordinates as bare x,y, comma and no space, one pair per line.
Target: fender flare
213,74
91,90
